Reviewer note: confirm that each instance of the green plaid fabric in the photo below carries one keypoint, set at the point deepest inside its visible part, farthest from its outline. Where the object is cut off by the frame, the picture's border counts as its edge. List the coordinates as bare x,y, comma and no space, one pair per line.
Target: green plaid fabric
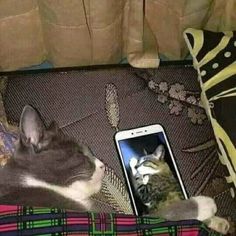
19,220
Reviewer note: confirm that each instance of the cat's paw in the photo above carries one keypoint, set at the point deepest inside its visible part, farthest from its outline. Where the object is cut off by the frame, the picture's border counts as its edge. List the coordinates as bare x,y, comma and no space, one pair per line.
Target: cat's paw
133,162
218,224
145,179
206,207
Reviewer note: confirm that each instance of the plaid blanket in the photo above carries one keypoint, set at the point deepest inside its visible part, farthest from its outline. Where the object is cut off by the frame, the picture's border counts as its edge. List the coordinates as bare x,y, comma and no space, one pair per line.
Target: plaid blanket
19,220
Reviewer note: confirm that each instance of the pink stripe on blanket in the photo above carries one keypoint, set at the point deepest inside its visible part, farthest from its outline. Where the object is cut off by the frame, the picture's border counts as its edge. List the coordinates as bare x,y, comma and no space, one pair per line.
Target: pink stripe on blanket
8,208
71,221
126,221
8,227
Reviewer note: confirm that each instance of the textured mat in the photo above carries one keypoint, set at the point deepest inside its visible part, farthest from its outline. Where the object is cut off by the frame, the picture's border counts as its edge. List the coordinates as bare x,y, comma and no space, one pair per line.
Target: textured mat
77,100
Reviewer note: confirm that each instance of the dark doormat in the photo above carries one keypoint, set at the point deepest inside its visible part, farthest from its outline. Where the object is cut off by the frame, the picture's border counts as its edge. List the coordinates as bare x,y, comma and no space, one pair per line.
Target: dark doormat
79,101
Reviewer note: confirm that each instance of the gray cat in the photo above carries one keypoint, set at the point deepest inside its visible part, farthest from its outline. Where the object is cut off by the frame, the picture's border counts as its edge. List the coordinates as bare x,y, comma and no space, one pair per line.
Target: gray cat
158,193
51,170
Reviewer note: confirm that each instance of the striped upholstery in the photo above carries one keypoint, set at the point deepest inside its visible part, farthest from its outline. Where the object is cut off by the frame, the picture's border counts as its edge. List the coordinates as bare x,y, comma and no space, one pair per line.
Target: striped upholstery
214,57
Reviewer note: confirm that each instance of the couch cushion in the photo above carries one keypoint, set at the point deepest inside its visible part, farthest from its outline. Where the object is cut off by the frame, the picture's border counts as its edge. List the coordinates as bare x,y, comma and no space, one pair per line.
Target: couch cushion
214,55
75,100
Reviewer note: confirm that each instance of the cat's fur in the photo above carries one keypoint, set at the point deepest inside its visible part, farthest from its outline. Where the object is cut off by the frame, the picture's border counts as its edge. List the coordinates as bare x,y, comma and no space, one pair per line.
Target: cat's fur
49,169
157,192
153,181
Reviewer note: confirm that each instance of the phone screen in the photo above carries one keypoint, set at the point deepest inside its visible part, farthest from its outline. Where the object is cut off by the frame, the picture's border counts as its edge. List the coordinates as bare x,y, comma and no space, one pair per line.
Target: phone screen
151,172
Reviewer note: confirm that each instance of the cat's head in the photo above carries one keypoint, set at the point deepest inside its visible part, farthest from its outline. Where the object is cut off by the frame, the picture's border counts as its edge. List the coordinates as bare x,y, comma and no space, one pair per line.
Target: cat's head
46,158
153,163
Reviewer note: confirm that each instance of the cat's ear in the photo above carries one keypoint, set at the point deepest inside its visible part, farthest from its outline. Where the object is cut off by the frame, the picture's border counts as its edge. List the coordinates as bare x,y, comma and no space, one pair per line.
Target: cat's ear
145,152
159,153
53,127
86,150
31,126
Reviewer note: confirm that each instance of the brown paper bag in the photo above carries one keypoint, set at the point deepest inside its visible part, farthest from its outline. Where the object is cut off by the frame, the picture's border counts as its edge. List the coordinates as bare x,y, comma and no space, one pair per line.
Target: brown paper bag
82,32
221,16
141,42
21,42
75,33
168,19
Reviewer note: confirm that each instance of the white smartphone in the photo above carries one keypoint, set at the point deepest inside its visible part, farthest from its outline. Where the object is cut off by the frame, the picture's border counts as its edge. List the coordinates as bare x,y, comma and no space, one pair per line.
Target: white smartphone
141,151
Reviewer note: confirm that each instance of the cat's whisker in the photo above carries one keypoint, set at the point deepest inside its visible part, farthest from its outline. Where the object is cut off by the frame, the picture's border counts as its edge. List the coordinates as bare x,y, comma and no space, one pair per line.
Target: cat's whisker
75,177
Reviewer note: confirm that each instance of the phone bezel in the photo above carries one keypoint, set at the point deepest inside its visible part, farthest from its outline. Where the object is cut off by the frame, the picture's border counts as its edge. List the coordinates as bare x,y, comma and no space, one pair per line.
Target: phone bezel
143,131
